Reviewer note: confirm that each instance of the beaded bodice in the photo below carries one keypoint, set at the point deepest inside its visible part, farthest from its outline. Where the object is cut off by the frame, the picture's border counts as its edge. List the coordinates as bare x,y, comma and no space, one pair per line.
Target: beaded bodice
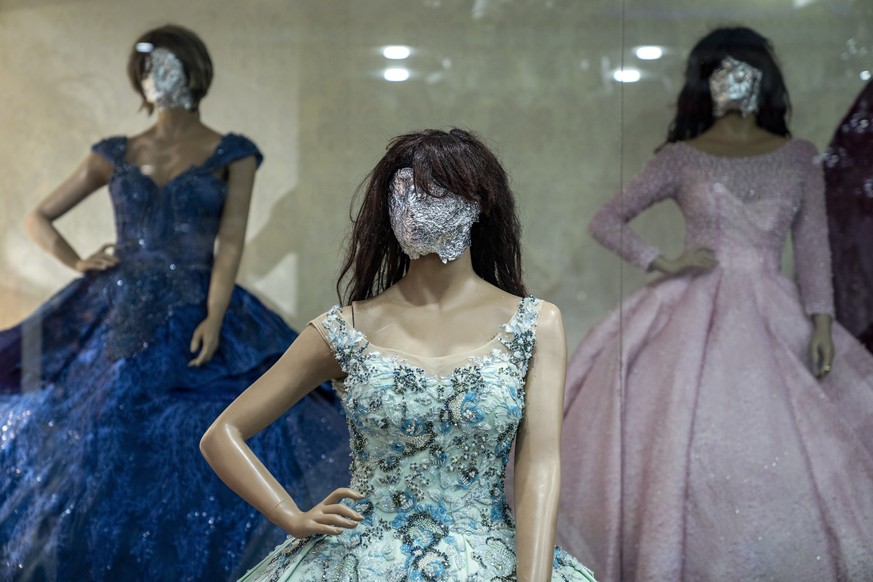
430,440
429,450
742,208
165,236
178,220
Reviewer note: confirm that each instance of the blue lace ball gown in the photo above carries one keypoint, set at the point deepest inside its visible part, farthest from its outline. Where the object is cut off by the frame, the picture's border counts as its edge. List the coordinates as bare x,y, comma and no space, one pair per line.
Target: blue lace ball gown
430,438
100,473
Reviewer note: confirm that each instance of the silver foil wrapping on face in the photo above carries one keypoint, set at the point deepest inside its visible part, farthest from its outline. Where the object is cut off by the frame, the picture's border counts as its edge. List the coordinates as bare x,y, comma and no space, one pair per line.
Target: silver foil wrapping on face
423,223
165,84
735,86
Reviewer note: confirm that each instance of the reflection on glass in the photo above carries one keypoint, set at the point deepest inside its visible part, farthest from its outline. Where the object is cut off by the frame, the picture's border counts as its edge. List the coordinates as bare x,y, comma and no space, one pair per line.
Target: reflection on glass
626,75
396,52
648,53
396,74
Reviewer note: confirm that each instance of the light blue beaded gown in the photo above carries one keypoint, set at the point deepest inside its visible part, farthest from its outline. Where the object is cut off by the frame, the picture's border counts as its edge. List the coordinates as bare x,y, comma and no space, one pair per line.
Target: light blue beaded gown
430,440
100,473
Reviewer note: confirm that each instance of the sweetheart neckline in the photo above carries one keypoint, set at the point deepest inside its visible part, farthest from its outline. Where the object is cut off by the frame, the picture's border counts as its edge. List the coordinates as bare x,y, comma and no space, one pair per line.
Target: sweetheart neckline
189,169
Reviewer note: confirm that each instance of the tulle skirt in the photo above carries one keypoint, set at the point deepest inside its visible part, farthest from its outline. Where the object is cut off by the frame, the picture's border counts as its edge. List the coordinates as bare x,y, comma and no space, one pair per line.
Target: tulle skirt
699,446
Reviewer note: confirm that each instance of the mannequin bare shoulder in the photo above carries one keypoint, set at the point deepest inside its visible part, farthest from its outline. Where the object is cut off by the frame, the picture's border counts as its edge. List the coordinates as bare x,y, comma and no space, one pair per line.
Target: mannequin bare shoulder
538,448
550,329
307,363
544,393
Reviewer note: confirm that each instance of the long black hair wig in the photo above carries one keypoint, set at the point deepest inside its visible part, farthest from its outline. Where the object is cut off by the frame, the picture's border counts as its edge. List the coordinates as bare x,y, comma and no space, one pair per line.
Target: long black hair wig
459,162
694,107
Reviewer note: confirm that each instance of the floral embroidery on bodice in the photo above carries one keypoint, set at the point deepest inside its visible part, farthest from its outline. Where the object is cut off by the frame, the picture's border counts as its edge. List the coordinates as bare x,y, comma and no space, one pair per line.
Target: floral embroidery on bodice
429,446
429,453
165,238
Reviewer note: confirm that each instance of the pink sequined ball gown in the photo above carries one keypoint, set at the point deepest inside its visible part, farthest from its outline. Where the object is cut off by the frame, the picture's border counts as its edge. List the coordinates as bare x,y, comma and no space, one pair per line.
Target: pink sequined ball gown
697,443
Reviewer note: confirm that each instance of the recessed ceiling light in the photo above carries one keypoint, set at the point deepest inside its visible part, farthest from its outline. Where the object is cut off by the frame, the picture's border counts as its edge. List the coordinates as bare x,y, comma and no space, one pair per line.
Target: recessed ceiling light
649,53
396,52
626,75
396,74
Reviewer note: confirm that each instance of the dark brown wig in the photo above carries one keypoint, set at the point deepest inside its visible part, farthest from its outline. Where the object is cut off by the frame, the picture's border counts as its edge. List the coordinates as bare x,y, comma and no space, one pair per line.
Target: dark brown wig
459,162
694,106
187,47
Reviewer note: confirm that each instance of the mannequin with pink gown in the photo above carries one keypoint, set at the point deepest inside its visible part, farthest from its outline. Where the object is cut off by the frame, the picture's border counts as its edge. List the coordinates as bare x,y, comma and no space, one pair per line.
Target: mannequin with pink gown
706,447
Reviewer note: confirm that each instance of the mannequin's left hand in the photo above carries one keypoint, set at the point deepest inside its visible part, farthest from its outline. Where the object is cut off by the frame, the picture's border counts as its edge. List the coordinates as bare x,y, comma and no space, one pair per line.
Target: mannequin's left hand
205,339
821,347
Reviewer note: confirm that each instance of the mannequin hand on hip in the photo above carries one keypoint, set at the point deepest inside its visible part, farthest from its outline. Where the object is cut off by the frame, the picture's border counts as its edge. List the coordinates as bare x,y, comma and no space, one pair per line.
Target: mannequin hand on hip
694,261
330,517
100,261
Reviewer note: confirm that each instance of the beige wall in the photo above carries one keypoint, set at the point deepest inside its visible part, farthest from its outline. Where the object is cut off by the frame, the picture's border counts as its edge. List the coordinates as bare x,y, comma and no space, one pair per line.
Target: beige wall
301,78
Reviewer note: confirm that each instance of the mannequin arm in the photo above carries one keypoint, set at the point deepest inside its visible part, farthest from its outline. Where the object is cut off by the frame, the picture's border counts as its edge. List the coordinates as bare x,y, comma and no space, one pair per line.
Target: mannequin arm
812,261
228,254
92,174
809,236
306,364
538,451
658,181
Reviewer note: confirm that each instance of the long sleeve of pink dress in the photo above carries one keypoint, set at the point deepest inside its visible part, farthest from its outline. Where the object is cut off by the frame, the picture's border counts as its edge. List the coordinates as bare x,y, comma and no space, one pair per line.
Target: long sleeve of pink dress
809,235
658,181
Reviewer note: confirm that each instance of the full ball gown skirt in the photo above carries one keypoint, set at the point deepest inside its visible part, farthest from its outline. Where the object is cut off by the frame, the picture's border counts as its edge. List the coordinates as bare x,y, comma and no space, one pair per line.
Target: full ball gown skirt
705,447
430,440
100,473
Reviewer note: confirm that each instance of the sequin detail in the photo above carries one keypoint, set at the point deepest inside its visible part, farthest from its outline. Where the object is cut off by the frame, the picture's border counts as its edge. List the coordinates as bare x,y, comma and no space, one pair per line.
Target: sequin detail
165,240
742,208
100,415
848,170
712,435
429,453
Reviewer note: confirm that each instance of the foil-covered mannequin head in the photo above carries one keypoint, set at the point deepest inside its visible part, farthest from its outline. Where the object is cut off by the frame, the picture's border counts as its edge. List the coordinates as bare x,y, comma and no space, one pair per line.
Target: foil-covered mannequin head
437,221
437,192
159,51
703,98
165,84
735,86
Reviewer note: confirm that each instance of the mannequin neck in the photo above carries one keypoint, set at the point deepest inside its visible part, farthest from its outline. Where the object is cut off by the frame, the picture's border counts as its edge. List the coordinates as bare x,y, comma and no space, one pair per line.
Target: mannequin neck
175,123
429,280
733,127
734,135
